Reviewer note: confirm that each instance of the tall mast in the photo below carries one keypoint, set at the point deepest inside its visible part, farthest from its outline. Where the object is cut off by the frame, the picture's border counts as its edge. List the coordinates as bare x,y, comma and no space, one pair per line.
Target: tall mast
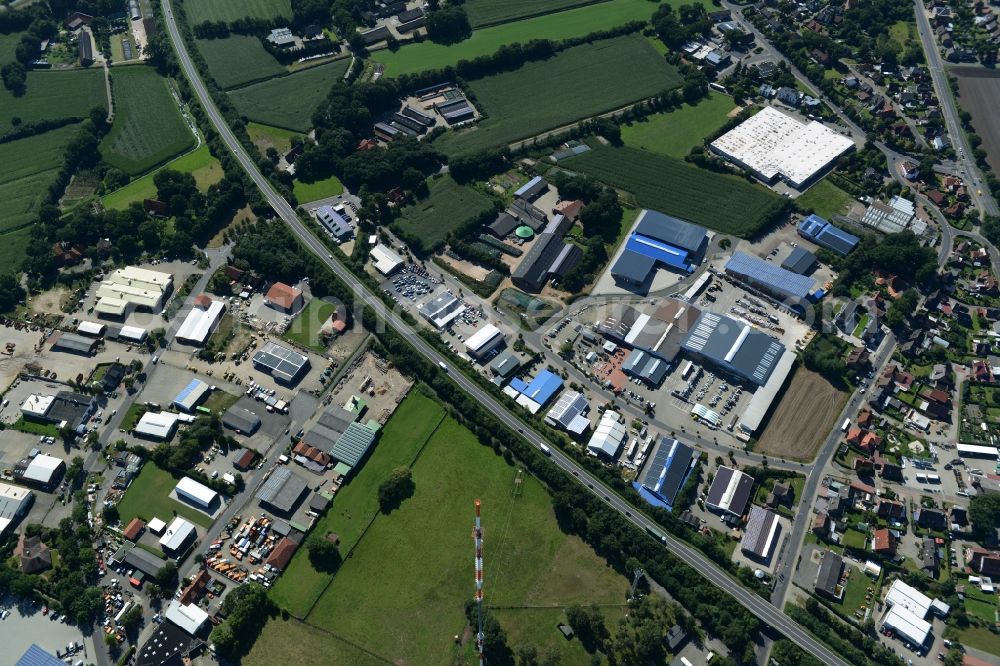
477,535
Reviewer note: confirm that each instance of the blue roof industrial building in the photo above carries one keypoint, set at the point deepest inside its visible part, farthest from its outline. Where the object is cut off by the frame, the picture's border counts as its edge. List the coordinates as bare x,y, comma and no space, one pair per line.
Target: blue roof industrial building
769,278
659,239
541,389
734,346
824,234
665,473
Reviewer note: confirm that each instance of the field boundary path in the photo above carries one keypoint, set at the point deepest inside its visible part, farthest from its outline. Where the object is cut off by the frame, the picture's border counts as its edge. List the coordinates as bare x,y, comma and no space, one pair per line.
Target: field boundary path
107,88
757,606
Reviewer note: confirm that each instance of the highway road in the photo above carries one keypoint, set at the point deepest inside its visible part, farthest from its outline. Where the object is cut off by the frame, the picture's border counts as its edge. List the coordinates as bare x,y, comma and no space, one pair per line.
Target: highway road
694,558
939,76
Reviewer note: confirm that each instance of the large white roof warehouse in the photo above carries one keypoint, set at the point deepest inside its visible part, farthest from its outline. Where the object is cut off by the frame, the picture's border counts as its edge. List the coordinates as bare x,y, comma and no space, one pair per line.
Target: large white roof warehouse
201,321
132,286
773,145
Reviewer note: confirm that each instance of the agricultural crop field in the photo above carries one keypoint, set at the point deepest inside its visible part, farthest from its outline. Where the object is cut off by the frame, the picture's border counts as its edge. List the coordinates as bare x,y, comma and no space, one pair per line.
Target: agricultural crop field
148,127
13,246
674,187
289,101
238,60
199,163
677,132
577,83
428,544
447,208
491,12
979,94
199,11
562,25
54,95
28,167
787,435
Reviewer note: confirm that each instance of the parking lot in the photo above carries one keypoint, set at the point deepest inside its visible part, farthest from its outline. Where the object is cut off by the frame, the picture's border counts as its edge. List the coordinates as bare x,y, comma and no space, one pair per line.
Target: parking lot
27,624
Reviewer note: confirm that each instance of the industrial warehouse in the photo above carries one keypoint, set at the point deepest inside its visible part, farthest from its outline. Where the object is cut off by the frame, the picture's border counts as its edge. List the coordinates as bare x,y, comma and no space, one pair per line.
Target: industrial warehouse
659,239
666,472
773,146
133,288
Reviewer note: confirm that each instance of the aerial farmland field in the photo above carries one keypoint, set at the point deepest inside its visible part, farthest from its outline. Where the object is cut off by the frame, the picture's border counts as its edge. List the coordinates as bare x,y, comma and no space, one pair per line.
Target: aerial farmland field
979,94
148,128
491,12
199,163
674,187
27,168
288,102
237,60
53,95
577,83
447,208
199,11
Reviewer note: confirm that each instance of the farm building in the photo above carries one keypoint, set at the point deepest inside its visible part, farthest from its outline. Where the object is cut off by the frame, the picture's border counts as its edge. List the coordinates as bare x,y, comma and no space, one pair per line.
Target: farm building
485,340
282,491
85,44
133,287
730,491
771,279
195,493
241,419
72,343
569,413
734,346
201,320
549,258
280,362
188,617
281,37
666,471
799,260
178,535
354,443
328,428
410,19
335,221
533,189
608,437
773,146
14,504
442,309
90,328
43,471
659,333
535,395
385,260
908,611
284,298
824,234
191,395
761,534
659,239
375,35
828,576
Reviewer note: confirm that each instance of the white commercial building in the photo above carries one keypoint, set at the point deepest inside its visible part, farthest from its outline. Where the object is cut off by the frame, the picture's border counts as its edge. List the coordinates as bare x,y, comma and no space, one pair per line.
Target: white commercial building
157,425
441,309
188,617
609,435
132,286
774,145
37,406
908,610
156,526
483,341
133,333
14,504
42,469
385,260
90,328
201,321
194,492
177,535
568,412
974,451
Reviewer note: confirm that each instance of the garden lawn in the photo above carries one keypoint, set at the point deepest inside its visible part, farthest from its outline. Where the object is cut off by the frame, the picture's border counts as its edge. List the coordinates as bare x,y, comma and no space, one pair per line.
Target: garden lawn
28,167
854,539
237,60
356,504
199,11
854,595
148,128
574,84
486,41
54,95
423,549
980,638
8,44
294,642
219,401
289,101
981,609
321,189
149,496
447,208
304,329
677,132
825,198
674,187
199,163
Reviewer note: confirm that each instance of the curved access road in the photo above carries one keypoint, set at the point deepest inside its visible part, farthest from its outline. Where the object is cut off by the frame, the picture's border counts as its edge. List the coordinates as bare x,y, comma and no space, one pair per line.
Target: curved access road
693,557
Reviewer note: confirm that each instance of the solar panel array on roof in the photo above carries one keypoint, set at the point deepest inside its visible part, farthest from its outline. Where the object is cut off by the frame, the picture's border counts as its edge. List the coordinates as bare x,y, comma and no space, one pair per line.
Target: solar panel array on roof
799,260
282,363
666,472
770,278
759,536
734,346
36,656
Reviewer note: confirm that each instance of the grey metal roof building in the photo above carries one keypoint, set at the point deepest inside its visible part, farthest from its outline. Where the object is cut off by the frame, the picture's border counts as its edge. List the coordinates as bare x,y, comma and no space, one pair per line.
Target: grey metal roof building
769,278
800,261
828,576
284,364
73,343
71,408
547,257
241,419
352,446
760,534
533,189
659,239
504,225
328,428
36,656
282,490
672,230
375,34
667,469
505,365
143,560
734,346
730,491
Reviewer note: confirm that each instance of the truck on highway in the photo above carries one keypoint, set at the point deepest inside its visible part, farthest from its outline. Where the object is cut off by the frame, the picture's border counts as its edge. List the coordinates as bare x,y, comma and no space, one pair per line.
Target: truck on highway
444,366
545,449
845,425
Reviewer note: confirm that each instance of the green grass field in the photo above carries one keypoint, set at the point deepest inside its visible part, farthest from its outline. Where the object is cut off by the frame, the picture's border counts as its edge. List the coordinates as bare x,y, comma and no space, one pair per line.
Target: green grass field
292,641
148,128
199,163
825,198
8,42
13,246
356,504
321,189
237,60
677,132
674,187
577,83
289,101
980,638
28,167
305,327
264,136
149,496
199,11
492,12
401,593
447,208
559,26
54,95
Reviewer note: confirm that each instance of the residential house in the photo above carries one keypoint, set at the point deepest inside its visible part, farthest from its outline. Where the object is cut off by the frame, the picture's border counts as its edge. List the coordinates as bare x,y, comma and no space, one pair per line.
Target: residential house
884,542
983,561
931,519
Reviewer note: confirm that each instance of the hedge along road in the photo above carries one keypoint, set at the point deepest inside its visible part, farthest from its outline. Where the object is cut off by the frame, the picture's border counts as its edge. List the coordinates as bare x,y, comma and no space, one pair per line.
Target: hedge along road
694,558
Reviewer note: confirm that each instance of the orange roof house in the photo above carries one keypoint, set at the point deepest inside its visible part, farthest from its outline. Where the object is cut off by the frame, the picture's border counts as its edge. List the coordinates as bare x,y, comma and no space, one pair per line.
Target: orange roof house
283,297
134,528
